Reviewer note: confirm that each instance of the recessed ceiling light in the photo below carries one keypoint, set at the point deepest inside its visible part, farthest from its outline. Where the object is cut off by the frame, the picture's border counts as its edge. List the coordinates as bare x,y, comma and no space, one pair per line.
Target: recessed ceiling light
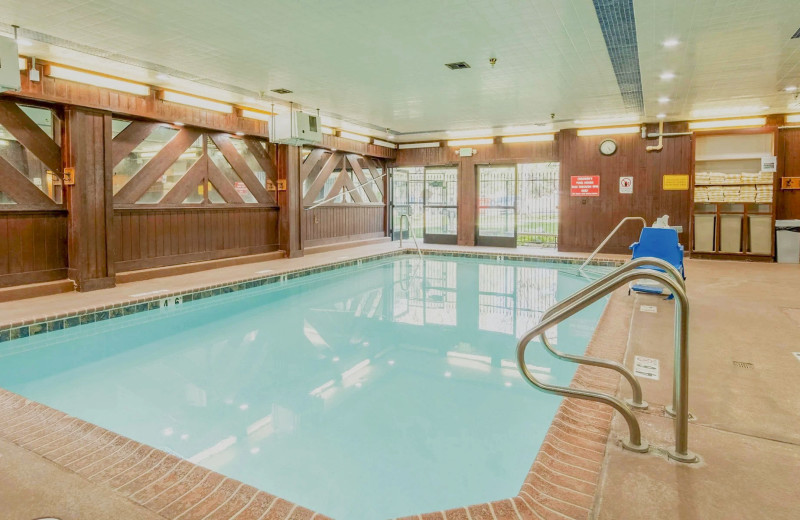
667,75
661,116
790,88
663,99
670,42
281,91
162,77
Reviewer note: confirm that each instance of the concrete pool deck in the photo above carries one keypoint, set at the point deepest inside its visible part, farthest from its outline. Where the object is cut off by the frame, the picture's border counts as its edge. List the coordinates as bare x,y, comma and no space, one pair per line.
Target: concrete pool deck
749,443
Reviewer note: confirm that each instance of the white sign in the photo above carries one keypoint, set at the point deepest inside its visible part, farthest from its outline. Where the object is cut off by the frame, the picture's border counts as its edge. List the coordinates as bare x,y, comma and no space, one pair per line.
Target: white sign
797,355
648,308
37,181
769,164
645,367
626,184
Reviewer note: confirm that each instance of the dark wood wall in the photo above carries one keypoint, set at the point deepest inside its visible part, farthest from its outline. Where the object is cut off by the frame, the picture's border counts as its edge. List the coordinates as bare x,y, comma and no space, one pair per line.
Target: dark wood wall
33,246
585,221
788,201
153,237
342,223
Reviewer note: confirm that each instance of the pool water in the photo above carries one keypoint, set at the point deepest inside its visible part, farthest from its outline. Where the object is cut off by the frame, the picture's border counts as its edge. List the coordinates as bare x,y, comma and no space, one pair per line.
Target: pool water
376,391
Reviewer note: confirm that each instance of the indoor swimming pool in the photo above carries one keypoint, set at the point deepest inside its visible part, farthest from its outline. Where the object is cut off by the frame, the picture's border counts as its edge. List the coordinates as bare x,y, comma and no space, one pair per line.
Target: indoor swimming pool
372,391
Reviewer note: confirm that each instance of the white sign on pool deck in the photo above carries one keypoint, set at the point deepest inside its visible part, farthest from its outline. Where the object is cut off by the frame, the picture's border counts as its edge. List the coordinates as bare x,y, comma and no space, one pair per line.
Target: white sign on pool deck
648,308
646,367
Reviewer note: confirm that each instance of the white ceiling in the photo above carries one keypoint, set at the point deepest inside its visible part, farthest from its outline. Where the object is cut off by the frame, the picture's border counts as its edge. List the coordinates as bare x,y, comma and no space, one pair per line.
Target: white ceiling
382,62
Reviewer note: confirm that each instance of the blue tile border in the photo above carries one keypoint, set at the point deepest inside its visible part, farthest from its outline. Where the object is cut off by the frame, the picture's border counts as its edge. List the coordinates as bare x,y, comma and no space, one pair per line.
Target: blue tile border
84,316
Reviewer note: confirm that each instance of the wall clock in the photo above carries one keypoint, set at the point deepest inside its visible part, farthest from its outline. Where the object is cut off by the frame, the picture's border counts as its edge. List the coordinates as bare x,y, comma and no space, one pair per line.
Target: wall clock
608,147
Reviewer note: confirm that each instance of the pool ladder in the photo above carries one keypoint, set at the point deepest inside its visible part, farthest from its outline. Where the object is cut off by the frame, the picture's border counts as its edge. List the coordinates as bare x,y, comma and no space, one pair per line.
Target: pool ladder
633,270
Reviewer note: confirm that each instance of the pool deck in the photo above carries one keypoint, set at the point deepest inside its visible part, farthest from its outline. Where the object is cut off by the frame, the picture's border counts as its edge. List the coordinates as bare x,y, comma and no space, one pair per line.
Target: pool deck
746,429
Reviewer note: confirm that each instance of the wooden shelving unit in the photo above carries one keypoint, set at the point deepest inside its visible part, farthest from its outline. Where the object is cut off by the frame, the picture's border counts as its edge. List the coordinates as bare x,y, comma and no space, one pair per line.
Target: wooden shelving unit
733,152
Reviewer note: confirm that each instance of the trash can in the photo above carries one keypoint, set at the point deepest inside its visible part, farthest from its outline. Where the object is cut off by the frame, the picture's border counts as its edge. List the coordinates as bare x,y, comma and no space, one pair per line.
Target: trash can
730,233
759,234
704,232
787,241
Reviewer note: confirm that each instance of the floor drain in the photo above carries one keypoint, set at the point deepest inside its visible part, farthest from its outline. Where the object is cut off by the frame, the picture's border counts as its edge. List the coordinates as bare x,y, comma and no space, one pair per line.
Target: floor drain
742,364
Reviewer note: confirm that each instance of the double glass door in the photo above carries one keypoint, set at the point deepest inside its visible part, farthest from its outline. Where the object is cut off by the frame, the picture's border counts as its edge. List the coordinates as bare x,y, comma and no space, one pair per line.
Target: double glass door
429,197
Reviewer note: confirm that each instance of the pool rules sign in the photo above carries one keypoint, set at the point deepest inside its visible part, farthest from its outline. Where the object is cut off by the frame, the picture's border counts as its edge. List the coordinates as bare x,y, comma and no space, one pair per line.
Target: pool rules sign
584,186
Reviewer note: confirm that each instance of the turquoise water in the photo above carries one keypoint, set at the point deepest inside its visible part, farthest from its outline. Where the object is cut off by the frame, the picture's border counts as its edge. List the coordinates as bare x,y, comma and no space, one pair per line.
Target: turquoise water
368,392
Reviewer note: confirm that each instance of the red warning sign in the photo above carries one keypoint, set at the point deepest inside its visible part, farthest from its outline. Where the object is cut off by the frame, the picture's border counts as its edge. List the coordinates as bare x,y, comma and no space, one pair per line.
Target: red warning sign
584,186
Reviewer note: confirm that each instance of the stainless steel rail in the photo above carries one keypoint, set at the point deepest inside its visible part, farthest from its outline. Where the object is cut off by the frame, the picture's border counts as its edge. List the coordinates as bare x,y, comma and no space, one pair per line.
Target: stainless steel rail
603,243
582,300
636,400
411,232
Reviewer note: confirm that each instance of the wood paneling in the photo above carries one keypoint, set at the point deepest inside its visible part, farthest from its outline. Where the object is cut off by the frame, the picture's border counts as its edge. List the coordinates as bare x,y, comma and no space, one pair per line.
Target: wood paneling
333,142
34,246
585,221
120,103
156,237
342,223
788,201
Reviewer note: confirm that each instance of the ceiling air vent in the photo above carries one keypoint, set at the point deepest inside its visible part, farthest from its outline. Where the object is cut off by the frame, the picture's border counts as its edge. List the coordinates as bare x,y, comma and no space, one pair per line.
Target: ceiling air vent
457,65
282,91
796,34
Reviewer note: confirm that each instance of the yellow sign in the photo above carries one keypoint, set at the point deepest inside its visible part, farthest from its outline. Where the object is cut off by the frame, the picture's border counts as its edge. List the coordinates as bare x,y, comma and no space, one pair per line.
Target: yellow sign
69,176
281,184
675,182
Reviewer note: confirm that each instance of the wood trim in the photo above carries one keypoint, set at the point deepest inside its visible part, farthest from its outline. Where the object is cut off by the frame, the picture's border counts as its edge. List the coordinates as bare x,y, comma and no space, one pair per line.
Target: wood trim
9,280
150,172
29,134
132,136
173,207
366,185
341,144
263,158
14,184
222,184
190,180
241,168
326,171
161,261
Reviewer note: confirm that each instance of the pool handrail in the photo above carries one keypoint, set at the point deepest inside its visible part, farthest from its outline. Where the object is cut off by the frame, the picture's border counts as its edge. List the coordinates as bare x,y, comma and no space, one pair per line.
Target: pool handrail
636,399
603,243
411,231
681,451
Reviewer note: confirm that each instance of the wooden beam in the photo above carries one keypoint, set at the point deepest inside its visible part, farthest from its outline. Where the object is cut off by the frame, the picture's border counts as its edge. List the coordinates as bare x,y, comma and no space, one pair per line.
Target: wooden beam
241,168
20,188
311,161
131,137
263,158
223,185
330,165
188,183
373,170
367,186
343,181
150,172
30,135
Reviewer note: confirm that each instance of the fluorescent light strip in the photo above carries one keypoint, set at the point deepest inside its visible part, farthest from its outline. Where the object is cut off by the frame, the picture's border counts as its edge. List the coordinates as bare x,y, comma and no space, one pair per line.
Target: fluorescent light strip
87,78
23,63
192,101
529,138
384,143
354,137
728,123
409,146
468,142
609,131
328,130
793,118
254,114
607,120
469,133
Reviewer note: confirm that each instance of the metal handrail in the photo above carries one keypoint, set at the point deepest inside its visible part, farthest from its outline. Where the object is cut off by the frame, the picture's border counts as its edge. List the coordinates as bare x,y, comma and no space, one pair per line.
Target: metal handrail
636,400
411,231
681,451
644,223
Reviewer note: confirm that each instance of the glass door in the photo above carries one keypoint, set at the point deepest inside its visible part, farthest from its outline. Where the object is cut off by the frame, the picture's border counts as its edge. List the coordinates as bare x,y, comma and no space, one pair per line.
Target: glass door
407,199
441,205
497,206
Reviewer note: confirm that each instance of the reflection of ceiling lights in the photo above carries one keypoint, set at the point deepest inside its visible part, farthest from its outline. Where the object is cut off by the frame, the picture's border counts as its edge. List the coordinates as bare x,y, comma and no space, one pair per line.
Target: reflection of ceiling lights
355,370
219,447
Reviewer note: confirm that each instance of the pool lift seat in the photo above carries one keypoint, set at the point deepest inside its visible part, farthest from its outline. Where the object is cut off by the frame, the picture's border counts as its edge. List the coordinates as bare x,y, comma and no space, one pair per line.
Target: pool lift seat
662,243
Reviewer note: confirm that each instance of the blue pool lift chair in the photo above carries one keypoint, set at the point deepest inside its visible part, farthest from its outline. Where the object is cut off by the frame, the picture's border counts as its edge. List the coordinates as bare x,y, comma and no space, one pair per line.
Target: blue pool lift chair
658,243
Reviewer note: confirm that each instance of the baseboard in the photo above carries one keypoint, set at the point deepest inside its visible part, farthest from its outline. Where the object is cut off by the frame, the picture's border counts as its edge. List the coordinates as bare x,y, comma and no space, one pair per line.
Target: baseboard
33,290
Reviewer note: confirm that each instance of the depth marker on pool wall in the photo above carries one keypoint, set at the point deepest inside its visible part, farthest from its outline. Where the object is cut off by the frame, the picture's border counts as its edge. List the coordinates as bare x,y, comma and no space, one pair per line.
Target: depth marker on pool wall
646,367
